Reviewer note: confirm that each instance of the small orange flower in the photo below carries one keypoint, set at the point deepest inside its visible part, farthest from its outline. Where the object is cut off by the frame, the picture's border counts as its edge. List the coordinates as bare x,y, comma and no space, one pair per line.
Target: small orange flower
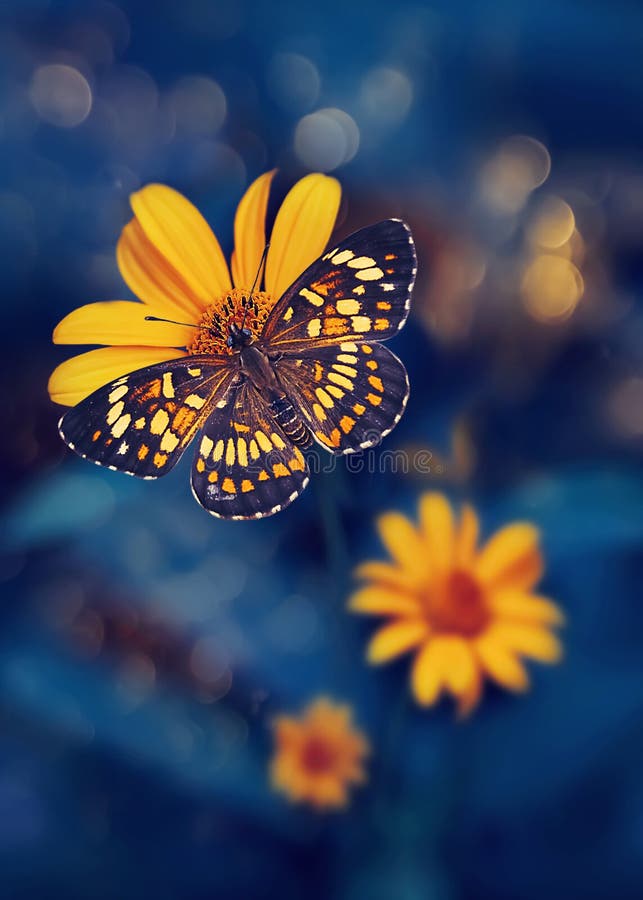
468,612
318,755
171,260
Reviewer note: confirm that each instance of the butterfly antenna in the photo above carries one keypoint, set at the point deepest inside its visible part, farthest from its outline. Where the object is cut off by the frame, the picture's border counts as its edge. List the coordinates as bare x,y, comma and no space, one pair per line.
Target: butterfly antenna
171,321
254,283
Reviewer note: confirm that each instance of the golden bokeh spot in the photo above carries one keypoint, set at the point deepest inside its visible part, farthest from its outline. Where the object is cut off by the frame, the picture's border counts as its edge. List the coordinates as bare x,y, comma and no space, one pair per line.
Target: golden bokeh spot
214,326
551,288
553,224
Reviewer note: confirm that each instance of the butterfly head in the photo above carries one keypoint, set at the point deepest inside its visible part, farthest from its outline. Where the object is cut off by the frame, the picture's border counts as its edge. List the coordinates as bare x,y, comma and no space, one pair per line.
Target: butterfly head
238,336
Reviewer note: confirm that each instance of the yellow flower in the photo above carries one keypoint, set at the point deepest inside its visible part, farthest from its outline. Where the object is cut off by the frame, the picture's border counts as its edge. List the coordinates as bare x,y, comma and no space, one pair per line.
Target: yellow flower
171,260
318,755
466,611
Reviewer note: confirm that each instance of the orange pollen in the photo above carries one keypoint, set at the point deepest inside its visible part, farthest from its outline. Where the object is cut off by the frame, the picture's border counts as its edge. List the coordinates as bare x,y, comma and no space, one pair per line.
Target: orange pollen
233,307
317,756
458,605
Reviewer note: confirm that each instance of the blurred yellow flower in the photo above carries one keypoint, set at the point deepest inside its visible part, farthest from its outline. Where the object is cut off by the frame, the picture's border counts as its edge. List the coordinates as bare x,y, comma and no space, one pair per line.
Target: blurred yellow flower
318,755
466,611
171,260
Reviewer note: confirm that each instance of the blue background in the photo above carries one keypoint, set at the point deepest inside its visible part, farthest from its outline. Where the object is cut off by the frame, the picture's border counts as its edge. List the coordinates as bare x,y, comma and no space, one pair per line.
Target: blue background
124,775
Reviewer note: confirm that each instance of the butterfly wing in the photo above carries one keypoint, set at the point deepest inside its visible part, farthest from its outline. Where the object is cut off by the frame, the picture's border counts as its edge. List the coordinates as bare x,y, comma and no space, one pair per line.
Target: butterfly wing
141,423
245,466
351,395
359,291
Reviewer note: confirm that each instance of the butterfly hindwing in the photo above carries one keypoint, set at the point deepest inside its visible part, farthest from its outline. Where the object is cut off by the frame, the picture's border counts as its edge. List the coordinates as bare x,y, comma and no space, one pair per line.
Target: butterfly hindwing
361,290
245,467
351,395
141,423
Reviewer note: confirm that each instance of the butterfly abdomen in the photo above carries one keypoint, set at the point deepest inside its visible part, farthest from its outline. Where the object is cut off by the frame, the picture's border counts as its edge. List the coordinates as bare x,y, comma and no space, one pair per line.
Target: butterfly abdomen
289,421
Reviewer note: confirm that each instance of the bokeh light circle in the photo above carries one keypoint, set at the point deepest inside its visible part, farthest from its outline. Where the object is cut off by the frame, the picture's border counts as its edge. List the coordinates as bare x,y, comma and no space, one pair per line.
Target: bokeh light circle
61,95
326,139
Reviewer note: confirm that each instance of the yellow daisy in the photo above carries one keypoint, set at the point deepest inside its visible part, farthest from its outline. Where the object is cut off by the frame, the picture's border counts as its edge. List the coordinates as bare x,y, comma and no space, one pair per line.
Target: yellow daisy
465,611
171,260
318,755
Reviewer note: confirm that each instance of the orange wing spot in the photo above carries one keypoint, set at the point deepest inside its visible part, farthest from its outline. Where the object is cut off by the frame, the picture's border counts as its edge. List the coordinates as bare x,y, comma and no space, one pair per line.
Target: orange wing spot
213,476
335,437
366,349
183,420
376,382
374,399
390,271
381,324
109,441
154,390
319,371
263,475
383,305
330,310
160,459
390,256
228,486
96,435
143,450
321,287
335,325
200,465
279,470
346,424
238,426
323,438
371,364
359,409
247,485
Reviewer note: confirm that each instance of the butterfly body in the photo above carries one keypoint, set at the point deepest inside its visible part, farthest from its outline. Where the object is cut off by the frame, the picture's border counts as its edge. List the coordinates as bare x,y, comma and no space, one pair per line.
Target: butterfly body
315,371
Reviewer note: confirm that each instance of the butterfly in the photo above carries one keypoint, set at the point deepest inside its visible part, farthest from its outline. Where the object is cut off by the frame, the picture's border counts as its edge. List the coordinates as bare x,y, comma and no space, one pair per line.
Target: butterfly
316,372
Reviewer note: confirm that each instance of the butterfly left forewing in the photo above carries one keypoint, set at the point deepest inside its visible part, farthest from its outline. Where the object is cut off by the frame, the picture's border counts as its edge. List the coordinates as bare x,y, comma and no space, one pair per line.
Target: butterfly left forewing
142,423
360,290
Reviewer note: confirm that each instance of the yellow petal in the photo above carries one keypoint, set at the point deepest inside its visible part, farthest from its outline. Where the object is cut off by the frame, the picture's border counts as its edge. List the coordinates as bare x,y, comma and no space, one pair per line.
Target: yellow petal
521,607
151,277
501,664
446,662
436,518
301,231
511,558
403,543
119,323
81,375
527,640
180,234
385,574
377,601
470,697
395,639
467,537
250,231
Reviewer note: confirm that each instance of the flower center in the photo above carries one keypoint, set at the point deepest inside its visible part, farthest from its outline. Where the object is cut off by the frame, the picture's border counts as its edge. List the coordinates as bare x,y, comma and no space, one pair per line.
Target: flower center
458,605
317,756
233,307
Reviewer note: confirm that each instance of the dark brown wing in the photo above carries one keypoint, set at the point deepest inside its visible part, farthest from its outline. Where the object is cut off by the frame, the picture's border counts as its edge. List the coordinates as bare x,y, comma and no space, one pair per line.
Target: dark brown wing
141,423
351,395
359,291
245,466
